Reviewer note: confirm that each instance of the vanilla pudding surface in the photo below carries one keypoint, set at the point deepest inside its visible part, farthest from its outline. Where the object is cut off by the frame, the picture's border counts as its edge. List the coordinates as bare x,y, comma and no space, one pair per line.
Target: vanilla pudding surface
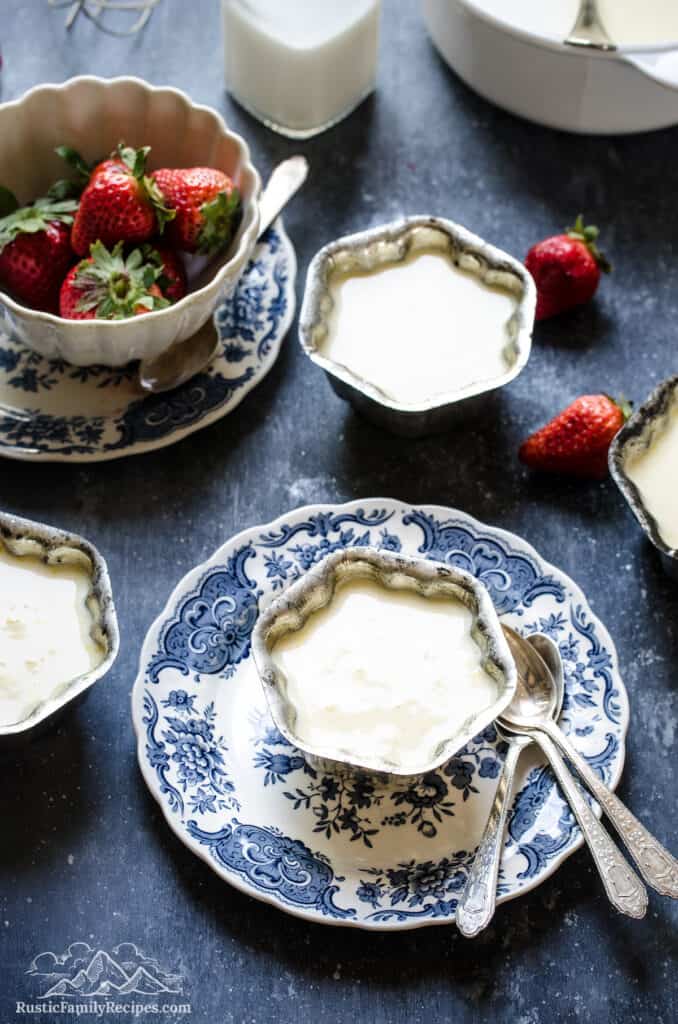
45,629
419,329
383,675
654,471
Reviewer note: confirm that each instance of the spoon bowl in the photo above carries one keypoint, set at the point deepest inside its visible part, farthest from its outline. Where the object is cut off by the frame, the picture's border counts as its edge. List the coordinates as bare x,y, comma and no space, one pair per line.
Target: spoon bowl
536,697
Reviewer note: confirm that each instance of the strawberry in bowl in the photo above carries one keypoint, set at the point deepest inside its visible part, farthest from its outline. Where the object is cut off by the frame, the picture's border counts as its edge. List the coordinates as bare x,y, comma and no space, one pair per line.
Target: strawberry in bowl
111,286
35,248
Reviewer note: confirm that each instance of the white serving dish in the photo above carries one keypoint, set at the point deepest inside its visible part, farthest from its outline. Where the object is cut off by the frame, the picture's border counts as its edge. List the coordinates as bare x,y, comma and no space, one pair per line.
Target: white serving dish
22,537
538,77
316,589
93,115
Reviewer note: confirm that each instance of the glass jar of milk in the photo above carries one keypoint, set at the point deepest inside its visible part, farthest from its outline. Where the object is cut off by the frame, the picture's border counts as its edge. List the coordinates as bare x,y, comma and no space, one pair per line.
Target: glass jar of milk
300,65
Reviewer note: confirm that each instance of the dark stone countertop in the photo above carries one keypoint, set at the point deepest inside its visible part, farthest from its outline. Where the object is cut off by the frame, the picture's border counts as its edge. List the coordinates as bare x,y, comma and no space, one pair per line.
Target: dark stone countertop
84,854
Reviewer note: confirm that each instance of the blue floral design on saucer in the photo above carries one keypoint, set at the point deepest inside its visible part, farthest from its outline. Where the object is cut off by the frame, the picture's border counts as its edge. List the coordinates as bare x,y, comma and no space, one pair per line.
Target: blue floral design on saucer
52,411
349,849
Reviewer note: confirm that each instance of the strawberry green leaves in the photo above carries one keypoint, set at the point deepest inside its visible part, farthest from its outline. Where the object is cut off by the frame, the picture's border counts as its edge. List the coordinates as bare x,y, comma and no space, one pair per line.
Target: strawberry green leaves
588,234
31,219
219,219
114,286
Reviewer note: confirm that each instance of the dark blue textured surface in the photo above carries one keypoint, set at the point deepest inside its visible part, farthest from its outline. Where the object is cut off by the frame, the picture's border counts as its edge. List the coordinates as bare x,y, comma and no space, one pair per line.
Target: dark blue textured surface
84,855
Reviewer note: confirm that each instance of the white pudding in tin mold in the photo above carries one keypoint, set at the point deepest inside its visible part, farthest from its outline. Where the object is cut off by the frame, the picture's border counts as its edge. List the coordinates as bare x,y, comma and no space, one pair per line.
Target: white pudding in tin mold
654,471
629,22
385,675
45,632
420,328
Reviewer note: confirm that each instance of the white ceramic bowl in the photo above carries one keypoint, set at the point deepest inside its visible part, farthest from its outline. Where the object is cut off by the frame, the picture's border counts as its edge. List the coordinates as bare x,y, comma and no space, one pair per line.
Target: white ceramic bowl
533,74
93,115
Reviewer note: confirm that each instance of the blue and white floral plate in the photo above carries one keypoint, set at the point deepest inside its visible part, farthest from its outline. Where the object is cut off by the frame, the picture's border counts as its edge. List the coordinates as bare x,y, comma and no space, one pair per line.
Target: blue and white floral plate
53,411
328,849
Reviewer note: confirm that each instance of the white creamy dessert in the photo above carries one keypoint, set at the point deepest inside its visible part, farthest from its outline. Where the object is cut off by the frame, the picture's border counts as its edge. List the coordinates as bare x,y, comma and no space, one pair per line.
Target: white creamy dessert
300,65
45,632
643,22
383,675
654,471
419,329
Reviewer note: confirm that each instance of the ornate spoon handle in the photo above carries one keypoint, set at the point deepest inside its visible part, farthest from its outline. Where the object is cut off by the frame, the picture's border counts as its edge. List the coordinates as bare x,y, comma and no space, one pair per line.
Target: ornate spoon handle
479,897
625,890
657,866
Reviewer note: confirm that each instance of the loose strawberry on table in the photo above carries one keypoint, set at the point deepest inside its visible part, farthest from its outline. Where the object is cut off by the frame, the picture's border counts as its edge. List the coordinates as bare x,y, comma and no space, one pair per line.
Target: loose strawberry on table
576,441
35,249
206,206
566,269
119,203
111,286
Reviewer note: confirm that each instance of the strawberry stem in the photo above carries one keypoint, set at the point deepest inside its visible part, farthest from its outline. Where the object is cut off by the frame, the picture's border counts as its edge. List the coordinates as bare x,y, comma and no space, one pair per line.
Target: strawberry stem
31,219
588,234
625,404
74,160
114,286
220,217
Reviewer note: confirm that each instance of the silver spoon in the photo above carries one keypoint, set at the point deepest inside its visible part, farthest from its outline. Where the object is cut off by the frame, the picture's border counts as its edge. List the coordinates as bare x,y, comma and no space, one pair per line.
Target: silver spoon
657,866
531,713
183,361
589,30
478,900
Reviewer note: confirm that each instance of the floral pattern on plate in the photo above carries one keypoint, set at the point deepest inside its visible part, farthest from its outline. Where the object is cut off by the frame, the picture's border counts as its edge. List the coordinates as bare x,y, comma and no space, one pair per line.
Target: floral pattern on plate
349,850
53,411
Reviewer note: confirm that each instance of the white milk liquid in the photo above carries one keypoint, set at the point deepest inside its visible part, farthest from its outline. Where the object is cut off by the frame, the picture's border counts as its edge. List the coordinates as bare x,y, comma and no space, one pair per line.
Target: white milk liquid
419,329
655,474
384,675
44,632
300,65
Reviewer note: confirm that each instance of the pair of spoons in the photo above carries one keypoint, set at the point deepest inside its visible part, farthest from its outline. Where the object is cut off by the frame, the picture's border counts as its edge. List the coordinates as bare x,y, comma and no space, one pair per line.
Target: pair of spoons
531,717
184,360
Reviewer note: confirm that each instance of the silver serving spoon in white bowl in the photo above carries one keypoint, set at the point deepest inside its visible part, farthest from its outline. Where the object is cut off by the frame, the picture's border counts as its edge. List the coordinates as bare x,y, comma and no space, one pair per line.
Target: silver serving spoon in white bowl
185,360
589,30
478,900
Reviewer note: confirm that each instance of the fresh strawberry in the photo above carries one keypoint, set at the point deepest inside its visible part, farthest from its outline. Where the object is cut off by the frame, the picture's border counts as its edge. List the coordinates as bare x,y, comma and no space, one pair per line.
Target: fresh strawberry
35,249
172,280
576,441
110,286
120,203
566,269
207,207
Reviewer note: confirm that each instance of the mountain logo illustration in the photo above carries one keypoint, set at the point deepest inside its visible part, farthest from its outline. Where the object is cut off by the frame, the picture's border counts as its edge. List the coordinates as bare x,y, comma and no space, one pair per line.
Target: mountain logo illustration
86,971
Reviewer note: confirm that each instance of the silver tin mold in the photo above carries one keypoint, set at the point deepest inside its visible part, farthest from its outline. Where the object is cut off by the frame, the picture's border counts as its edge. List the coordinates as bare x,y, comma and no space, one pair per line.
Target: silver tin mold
392,243
22,537
315,590
636,435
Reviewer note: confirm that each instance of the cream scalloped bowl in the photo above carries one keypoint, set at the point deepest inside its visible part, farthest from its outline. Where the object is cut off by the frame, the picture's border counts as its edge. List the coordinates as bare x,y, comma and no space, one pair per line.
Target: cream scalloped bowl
93,115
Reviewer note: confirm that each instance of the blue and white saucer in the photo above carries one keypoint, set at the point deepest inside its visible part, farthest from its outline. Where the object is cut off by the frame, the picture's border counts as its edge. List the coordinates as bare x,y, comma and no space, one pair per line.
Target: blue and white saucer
52,411
331,849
